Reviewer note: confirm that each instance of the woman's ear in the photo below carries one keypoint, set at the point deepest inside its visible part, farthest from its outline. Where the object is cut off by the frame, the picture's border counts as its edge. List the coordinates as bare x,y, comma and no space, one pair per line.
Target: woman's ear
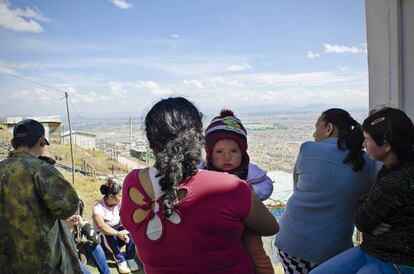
329,129
387,146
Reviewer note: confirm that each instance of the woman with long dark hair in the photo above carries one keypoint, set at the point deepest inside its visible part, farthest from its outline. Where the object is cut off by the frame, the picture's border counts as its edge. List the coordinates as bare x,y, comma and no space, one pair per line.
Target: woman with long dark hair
330,176
385,214
180,218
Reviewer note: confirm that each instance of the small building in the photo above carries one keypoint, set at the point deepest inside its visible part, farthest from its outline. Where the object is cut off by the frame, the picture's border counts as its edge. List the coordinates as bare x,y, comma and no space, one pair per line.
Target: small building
82,139
52,125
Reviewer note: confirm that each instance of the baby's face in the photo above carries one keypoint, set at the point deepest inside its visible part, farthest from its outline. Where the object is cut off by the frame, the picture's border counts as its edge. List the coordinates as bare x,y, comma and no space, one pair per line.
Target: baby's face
226,155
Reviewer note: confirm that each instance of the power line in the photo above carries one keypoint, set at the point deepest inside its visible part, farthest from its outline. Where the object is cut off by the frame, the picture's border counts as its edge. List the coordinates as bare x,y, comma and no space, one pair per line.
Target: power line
74,108
31,81
42,85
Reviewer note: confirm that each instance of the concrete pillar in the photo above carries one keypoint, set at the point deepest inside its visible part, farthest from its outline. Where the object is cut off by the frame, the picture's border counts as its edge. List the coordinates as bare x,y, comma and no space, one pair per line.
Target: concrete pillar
390,42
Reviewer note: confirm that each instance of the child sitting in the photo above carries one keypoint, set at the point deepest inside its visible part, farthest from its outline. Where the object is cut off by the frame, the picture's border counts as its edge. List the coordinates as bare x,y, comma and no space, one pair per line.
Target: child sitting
226,151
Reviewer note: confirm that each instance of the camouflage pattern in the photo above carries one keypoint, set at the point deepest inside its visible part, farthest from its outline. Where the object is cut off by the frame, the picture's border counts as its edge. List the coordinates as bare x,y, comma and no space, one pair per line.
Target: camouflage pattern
34,201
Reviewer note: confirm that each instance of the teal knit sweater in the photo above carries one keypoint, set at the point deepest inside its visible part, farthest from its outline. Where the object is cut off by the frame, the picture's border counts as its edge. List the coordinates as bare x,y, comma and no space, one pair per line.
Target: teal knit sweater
318,220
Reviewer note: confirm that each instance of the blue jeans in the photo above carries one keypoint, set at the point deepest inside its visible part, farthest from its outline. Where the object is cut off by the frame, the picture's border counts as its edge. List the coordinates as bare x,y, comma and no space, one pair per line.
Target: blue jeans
355,260
114,244
96,254
84,269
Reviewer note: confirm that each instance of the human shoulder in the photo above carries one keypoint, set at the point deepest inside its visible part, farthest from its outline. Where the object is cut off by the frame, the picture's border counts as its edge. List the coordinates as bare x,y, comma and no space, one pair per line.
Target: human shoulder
308,146
255,172
400,176
130,178
99,207
99,203
218,179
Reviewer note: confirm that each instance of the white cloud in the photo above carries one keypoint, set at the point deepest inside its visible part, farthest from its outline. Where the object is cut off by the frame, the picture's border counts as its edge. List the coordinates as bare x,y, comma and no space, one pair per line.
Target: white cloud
340,87
296,79
239,67
266,81
153,88
194,83
20,20
51,97
340,49
42,96
122,4
30,66
117,88
217,81
364,47
6,68
81,97
175,35
312,55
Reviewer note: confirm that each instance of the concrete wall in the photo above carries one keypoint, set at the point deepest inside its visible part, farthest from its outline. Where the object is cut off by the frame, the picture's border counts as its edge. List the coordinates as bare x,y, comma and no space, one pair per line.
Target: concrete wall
407,15
82,140
390,40
52,131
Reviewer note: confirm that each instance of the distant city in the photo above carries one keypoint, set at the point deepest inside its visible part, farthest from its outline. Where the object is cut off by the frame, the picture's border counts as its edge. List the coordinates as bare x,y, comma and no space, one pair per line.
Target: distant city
274,138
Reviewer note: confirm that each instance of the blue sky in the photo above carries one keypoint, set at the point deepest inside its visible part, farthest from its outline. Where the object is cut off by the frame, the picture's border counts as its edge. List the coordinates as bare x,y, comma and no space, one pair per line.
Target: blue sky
121,56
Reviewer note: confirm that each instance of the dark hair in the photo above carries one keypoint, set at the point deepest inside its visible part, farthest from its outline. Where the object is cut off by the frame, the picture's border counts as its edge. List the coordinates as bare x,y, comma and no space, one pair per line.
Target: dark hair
111,187
350,135
81,207
174,131
394,127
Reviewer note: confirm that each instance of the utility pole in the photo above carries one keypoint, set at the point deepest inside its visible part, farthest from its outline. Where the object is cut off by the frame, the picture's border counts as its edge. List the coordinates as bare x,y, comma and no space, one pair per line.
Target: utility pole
130,134
70,140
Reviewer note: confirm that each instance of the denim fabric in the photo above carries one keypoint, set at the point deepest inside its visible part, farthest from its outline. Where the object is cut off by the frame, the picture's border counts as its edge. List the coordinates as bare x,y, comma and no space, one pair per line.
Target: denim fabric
84,269
96,254
115,243
356,261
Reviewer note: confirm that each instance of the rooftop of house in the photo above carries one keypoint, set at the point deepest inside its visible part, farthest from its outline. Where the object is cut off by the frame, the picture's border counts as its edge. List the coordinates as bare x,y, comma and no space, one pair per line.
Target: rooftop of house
41,119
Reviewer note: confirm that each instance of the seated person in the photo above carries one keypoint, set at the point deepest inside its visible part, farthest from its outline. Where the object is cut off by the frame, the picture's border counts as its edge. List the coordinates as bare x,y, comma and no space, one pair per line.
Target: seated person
385,213
107,221
87,241
71,222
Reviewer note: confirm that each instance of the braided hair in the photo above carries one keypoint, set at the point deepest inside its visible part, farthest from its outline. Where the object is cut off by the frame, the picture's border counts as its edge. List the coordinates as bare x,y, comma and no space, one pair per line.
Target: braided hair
174,131
350,135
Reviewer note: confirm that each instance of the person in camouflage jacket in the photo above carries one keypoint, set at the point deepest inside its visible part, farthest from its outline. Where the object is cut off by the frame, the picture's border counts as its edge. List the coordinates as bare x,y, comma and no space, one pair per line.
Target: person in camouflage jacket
34,200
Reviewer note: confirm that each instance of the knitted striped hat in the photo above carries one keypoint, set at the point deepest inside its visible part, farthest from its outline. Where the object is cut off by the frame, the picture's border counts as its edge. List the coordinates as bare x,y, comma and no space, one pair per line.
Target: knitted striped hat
227,126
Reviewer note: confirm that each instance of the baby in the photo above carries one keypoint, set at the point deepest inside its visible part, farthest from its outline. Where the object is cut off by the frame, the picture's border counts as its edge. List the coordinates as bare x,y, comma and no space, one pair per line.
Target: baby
226,151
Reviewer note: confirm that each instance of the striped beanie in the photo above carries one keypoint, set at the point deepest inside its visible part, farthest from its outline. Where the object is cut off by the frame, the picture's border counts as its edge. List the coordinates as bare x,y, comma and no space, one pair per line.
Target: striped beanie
227,126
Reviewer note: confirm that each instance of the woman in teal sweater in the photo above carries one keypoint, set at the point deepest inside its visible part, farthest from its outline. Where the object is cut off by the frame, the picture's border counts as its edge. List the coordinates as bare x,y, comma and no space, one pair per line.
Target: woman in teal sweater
385,214
330,176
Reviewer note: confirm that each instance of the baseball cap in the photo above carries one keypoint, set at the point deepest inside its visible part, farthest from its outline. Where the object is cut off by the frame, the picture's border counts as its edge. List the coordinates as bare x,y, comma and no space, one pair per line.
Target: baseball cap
29,128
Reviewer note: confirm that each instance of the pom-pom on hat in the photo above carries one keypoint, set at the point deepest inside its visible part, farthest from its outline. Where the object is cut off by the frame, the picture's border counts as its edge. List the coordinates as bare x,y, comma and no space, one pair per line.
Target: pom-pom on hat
227,126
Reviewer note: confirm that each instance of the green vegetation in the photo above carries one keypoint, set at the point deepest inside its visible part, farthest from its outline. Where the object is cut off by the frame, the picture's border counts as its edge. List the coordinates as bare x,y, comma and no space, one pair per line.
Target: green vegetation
99,160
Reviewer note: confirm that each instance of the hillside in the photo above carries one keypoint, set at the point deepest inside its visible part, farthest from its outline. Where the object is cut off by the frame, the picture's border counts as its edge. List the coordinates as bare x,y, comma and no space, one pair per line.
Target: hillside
86,186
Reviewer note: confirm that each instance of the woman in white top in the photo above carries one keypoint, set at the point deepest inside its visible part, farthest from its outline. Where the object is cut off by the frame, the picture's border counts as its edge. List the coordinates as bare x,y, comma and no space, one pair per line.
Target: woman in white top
107,221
